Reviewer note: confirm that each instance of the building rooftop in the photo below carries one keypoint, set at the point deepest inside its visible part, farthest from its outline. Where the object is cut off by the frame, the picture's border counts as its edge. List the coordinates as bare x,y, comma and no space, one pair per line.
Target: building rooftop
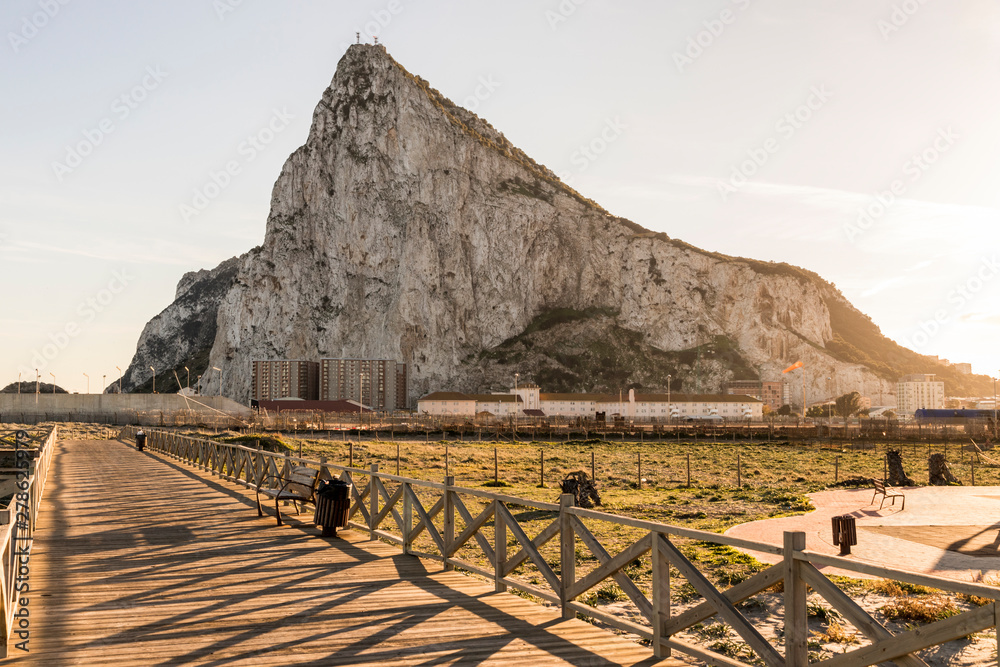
447,396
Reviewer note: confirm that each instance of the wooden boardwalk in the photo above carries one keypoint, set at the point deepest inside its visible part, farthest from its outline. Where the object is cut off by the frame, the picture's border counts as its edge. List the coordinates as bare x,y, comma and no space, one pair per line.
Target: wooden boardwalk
140,560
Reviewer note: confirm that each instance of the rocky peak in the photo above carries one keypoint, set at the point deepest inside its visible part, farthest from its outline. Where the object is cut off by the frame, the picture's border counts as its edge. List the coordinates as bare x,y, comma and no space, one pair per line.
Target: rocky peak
409,228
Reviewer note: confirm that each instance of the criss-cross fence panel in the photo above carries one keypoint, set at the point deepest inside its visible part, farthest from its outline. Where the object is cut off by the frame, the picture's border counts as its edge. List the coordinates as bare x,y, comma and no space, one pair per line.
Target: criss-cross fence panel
434,520
32,451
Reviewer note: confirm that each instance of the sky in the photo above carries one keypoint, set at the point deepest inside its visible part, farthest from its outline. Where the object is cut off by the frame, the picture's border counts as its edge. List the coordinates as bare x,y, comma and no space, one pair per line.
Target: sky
855,138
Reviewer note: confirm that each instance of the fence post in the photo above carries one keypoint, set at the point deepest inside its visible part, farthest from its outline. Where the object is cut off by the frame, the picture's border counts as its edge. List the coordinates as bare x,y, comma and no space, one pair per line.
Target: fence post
996,624
407,519
449,521
373,501
567,553
661,595
541,469
836,469
796,621
499,548
593,466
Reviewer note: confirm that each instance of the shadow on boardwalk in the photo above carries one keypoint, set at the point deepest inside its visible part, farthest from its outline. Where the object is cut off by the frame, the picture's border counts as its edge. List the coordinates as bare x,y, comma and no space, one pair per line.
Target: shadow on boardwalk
139,560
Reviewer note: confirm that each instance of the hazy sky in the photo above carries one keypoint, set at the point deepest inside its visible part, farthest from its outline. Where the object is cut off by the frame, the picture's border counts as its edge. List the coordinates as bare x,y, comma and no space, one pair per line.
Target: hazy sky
856,138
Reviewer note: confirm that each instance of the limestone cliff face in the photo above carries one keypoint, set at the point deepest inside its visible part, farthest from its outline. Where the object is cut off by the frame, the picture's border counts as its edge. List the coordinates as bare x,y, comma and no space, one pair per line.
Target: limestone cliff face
408,228
182,335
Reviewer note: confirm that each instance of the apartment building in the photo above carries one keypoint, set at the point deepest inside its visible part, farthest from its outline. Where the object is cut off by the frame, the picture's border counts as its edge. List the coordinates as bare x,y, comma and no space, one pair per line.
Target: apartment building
918,391
274,379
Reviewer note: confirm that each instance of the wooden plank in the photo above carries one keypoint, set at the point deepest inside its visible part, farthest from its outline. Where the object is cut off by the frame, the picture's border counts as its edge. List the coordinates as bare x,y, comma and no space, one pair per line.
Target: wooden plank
543,567
852,611
626,584
390,504
473,528
609,567
567,554
431,513
909,642
425,519
661,596
128,581
724,607
545,536
735,594
929,580
796,620
708,657
652,526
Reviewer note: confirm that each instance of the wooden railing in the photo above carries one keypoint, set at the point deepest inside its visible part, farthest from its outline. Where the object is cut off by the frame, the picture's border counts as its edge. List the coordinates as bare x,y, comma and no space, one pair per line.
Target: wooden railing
434,521
32,452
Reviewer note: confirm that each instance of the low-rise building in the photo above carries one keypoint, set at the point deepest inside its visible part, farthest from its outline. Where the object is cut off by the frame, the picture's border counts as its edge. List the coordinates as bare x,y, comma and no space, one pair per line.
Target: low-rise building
773,394
447,403
633,407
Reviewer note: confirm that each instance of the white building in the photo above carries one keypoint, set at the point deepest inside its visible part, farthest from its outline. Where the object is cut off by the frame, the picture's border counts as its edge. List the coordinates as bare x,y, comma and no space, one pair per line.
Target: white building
631,406
918,391
453,403
447,403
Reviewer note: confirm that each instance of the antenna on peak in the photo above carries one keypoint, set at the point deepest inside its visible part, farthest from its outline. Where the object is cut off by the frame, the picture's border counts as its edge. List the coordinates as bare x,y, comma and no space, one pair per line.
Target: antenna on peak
358,36
376,40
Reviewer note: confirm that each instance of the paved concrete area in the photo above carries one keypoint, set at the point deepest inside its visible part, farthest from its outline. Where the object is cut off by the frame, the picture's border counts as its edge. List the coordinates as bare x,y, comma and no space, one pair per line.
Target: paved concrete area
947,531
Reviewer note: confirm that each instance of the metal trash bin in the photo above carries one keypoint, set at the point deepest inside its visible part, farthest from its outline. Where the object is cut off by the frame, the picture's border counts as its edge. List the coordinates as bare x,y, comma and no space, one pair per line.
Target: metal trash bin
333,503
140,440
845,533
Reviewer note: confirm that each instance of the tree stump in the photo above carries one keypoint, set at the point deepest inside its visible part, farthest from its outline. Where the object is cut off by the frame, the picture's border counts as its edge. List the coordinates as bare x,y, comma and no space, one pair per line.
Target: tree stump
938,471
583,489
897,476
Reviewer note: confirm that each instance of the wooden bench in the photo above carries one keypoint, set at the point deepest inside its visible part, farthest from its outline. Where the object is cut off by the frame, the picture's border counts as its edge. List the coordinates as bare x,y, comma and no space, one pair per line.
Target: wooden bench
887,492
298,486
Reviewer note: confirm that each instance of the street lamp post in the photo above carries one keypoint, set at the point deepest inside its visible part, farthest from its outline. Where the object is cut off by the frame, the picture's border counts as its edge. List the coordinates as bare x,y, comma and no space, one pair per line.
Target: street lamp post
516,375
119,380
154,378
216,368
104,382
188,378
37,378
668,397
994,407
53,382
88,382
804,407
18,384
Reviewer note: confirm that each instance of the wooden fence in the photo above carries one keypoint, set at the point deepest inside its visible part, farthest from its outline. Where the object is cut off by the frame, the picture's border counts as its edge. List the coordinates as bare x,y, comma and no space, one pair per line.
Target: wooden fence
31,451
404,511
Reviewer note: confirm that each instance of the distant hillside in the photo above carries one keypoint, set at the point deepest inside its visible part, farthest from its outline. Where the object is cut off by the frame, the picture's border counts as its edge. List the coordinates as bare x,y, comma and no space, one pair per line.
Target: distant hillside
29,388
